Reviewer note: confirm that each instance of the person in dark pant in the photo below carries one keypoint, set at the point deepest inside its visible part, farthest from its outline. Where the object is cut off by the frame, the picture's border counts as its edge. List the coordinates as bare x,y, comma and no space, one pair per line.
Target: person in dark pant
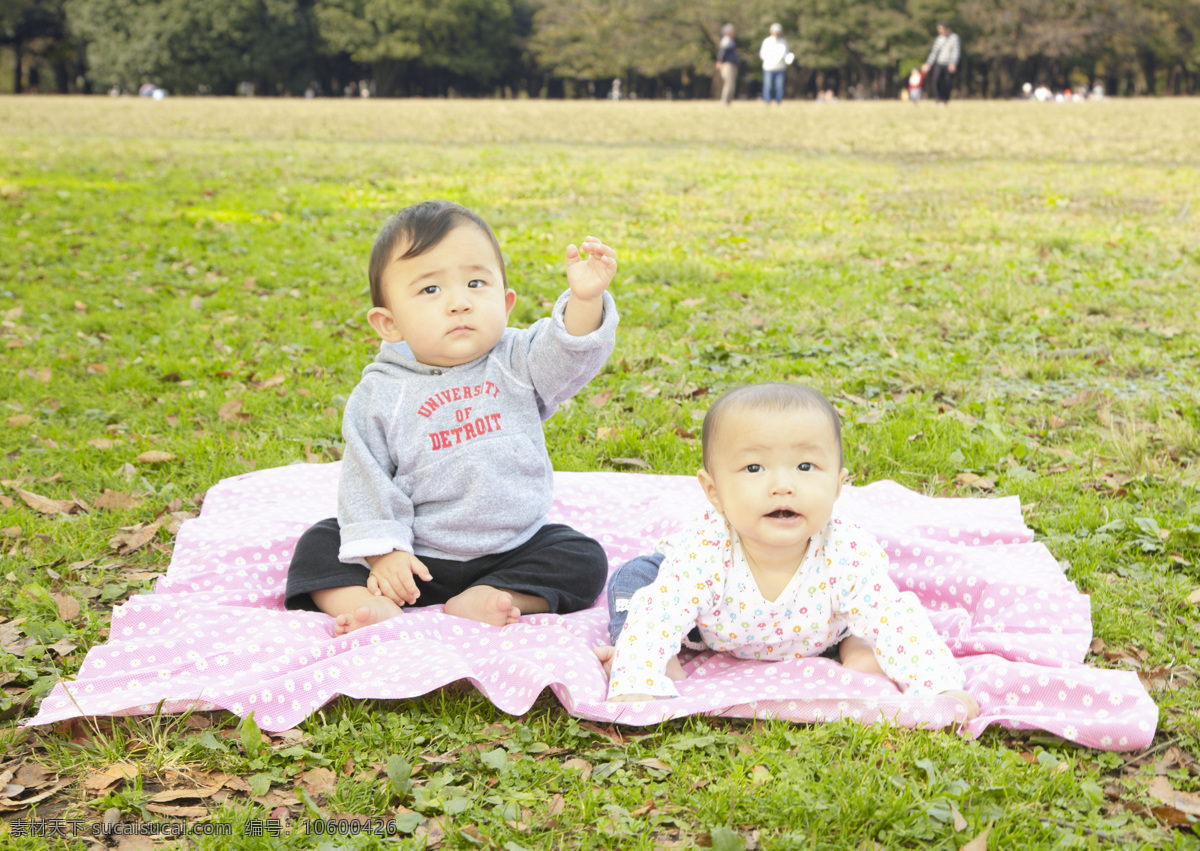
446,485
942,61
727,63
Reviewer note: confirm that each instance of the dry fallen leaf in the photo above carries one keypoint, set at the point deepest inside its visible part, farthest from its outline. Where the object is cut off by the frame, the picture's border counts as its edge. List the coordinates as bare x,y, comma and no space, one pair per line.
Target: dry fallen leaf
268,383
63,647
7,803
101,780
631,462
45,505
318,780
168,795
975,481
1056,421
134,537
20,419
115,500
1185,802
600,399
231,411
1079,398
656,764
182,812
68,607
581,765
432,832
155,456
979,843
1194,597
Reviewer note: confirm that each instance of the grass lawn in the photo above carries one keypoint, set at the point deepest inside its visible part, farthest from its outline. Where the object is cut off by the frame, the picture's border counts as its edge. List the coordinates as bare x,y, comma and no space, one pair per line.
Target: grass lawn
1000,297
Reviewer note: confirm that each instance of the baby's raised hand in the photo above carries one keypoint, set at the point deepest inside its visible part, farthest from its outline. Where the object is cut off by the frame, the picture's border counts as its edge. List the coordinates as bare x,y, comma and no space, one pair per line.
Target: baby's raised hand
392,577
589,278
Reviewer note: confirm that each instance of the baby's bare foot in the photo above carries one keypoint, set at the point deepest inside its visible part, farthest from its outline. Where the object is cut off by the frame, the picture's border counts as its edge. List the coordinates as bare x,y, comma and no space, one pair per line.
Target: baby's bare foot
375,610
484,604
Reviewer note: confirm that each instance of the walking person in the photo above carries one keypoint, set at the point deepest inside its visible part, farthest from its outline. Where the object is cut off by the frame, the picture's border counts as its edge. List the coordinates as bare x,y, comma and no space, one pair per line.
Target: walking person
727,62
774,53
942,62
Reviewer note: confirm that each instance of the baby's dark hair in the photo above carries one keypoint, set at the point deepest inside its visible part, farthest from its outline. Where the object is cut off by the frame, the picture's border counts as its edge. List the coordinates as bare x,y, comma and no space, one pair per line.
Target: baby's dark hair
421,226
768,396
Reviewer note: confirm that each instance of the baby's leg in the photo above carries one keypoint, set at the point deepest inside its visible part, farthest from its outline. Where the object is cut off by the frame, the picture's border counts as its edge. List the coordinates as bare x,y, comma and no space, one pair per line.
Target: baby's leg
858,654
493,606
354,607
318,580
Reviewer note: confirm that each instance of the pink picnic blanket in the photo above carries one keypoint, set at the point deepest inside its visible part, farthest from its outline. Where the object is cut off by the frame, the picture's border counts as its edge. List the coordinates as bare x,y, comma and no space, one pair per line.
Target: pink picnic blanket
214,634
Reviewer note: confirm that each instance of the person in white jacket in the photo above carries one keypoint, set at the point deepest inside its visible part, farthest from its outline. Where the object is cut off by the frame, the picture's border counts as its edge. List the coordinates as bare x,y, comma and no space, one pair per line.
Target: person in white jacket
774,55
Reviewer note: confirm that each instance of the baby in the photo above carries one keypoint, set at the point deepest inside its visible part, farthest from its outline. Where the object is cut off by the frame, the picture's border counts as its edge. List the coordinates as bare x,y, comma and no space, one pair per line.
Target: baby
773,571
445,475
916,80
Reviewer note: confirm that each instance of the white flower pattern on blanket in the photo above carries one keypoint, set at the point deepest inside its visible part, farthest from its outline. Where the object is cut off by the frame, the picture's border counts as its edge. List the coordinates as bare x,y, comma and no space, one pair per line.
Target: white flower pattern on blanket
214,633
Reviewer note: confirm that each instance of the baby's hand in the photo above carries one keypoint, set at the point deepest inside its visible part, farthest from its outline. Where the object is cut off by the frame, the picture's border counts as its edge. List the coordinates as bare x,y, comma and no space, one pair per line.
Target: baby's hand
966,700
589,278
633,698
392,576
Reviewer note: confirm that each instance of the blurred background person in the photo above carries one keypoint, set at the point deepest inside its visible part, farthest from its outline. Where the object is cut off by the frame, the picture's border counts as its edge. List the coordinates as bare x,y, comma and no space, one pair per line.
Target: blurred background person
942,62
727,62
773,54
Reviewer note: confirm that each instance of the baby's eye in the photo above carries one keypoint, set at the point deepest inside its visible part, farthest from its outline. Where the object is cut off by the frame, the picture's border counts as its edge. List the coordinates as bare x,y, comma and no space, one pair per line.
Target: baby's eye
432,289
805,467
754,468
476,284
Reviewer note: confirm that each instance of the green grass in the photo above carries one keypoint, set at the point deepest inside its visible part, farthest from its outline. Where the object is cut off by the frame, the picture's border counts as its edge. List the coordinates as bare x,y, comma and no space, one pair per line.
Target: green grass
952,279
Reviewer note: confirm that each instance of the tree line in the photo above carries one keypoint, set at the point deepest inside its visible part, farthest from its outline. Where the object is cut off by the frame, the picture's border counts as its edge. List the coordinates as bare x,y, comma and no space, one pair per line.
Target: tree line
575,48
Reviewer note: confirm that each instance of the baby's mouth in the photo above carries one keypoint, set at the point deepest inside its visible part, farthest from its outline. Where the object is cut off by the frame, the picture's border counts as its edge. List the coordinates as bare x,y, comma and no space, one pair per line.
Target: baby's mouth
783,514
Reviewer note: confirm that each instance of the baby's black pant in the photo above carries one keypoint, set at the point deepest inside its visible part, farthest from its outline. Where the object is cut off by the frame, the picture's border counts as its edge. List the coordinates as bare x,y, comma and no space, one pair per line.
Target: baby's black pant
565,568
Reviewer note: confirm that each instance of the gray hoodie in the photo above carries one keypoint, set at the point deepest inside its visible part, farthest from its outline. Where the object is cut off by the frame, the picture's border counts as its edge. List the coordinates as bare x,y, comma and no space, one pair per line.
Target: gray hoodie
451,462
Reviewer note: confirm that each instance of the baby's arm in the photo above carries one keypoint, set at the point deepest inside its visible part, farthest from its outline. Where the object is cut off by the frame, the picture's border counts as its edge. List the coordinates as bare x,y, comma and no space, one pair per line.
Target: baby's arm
588,280
909,650
660,614
374,513
858,654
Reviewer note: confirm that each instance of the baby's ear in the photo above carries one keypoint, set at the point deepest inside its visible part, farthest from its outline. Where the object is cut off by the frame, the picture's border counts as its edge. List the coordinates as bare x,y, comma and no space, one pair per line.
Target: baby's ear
841,481
510,298
710,488
381,319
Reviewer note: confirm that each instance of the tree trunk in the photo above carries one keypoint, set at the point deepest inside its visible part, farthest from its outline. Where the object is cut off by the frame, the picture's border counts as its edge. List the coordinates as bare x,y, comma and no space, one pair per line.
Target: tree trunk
387,73
1150,70
16,68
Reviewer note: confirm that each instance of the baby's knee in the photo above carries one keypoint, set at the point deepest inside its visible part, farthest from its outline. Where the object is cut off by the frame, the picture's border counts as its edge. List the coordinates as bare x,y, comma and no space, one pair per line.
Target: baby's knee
591,568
